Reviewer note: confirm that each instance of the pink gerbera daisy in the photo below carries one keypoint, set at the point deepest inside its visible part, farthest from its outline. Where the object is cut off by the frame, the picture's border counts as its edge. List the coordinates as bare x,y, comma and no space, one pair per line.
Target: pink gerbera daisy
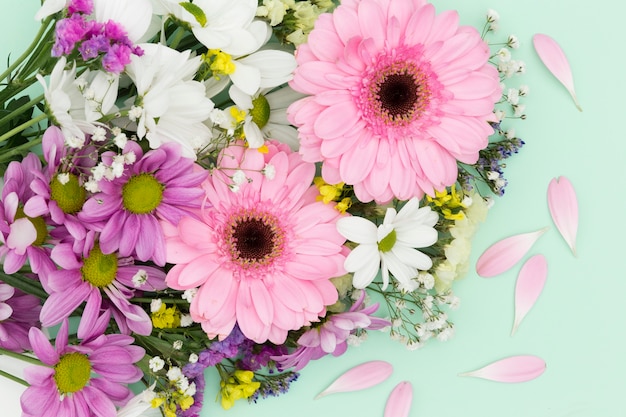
162,184
264,254
87,276
398,96
86,380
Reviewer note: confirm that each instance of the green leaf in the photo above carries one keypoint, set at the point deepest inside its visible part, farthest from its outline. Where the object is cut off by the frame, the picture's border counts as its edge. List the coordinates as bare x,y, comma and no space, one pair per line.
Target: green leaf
196,11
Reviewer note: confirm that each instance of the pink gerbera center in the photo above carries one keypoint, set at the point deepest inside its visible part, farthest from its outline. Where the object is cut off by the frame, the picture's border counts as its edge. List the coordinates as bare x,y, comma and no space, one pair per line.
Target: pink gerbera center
72,372
254,239
395,93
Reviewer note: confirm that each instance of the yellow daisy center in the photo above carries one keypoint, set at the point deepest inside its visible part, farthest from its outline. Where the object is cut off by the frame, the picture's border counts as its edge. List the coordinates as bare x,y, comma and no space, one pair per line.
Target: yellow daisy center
72,372
69,195
99,269
142,194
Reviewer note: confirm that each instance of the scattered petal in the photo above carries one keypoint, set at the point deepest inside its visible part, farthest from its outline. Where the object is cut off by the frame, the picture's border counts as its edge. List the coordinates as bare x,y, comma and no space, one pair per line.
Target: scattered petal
563,206
530,282
360,377
399,401
512,369
555,60
502,255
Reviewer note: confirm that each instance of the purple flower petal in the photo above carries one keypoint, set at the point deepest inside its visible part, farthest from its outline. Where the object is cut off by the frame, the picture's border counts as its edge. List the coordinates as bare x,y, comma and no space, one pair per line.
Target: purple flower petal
42,347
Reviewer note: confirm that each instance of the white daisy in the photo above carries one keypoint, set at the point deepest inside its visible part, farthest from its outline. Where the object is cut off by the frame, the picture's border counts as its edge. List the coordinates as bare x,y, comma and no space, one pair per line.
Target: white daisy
170,106
134,15
390,247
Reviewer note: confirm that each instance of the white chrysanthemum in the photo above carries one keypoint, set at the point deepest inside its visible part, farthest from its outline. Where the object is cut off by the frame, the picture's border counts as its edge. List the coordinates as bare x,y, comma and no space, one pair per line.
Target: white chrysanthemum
134,15
172,106
391,246
65,101
268,113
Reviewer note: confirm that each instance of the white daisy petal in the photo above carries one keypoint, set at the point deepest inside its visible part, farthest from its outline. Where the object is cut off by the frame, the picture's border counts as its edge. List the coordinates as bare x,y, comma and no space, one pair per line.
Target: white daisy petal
417,237
412,257
401,271
357,229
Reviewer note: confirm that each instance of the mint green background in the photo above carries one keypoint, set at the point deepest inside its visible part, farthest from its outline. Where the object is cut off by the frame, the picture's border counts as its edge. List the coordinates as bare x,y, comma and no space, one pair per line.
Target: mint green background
577,325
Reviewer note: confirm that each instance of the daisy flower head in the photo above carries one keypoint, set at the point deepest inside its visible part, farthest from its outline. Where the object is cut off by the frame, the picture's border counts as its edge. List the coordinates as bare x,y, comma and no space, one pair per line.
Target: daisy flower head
161,184
263,256
391,246
89,379
398,95
85,277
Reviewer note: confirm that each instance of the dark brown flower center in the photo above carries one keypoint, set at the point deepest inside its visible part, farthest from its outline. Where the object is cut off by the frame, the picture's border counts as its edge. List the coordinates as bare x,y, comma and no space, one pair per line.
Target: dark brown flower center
398,94
254,239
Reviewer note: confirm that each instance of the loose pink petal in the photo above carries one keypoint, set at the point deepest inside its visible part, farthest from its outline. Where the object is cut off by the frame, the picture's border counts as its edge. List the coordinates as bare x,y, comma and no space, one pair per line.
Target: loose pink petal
529,285
563,206
502,255
512,369
360,377
555,60
399,401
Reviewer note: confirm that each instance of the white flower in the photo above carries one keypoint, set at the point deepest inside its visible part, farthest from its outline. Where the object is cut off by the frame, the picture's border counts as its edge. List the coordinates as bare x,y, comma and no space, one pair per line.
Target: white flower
239,177
140,278
390,247
185,320
193,358
174,374
177,345
189,294
140,405
135,16
155,305
269,171
156,364
173,105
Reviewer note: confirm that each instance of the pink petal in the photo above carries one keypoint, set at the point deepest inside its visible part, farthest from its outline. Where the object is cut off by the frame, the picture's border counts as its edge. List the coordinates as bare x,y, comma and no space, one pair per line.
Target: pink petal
360,377
512,369
22,235
530,282
502,255
399,401
563,206
555,60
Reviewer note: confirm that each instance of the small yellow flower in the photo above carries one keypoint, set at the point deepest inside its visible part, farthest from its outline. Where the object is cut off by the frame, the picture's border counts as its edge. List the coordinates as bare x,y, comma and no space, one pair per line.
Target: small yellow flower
185,402
238,386
156,402
166,318
221,62
328,192
449,204
263,149
344,205
237,114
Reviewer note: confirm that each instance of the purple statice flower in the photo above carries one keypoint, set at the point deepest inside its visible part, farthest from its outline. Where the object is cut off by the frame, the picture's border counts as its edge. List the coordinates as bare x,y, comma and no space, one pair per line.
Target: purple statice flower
331,337
69,32
160,185
80,6
86,276
23,237
116,58
255,356
18,313
89,379
274,385
93,46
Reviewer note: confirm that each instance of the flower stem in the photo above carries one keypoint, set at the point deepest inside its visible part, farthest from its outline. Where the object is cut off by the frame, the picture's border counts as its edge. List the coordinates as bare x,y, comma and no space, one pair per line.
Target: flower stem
27,52
165,300
22,127
20,110
24,284
18,150
14,378
21,357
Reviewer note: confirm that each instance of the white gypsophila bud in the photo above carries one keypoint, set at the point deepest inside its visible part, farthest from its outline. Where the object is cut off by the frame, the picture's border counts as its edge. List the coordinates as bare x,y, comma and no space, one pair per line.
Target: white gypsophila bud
91,185
428,301
80,83
413,345
400,303
518,110
130,158
523,90
397,322
490,202
189,294
74,142
63,178
193,358
156,364
493,175
499,183
177,345
98,171
467,201
427,280
99,134
109,174
185,320
513,96
116,130
218,117
135,113
140,278
239,177
191,390
500,115
120,140
513,42
174,373
234,188
504,55
492,15
453,301
445,334
182,383
155,305
510,134
269,171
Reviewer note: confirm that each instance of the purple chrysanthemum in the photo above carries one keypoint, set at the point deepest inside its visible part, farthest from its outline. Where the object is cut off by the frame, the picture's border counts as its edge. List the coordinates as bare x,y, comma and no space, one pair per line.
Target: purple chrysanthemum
86,380
18,313
86,276
162,184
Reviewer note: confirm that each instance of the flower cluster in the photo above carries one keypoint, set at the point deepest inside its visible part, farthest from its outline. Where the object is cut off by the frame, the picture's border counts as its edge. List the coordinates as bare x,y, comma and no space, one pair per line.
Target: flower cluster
204,196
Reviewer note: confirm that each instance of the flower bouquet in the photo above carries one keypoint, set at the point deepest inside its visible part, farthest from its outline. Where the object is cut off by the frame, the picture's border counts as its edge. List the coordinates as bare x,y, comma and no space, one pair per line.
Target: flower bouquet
239,185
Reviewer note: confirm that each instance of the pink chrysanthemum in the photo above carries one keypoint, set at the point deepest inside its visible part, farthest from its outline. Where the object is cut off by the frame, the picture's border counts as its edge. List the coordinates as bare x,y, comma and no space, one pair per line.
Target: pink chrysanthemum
18,313
162,184
86,276
263,255
331,338
398,96
87,380
22,238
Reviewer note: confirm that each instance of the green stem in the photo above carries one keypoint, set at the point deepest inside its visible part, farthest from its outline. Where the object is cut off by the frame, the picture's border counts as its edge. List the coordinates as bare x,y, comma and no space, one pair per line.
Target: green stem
14,378
165,300
20,110
31,48
22,127
24,284
18,150
21,357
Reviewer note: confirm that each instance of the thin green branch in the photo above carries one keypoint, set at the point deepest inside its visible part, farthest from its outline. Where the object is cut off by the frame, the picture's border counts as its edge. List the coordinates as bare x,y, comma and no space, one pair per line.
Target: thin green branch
20,356
14,378
27,52
22,127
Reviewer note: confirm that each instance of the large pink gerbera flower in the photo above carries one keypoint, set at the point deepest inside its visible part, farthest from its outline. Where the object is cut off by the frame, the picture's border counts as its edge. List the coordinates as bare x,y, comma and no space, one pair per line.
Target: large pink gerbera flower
398,96
88,379
263,255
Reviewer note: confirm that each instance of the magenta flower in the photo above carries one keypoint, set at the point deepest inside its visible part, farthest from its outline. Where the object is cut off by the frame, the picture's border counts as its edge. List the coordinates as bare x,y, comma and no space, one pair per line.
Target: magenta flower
398,96
84,277
162,184
87,380
18,313
262,256
332,336
23,238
